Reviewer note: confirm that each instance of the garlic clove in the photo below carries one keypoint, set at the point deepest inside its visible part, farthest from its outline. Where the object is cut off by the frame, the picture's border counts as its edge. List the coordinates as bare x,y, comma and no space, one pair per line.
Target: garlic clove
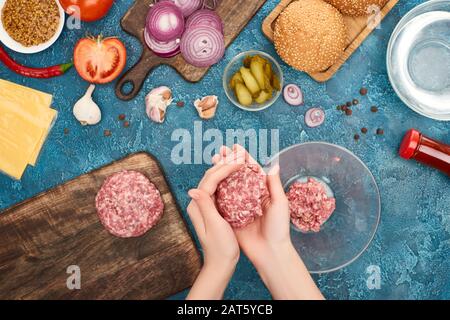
207,107
157,102
86,111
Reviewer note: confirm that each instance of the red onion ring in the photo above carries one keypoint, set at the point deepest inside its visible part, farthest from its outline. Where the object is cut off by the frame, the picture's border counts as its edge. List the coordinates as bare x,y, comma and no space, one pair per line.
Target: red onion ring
293,95
188,7
165,21
205,17
162,49
202,46
314,117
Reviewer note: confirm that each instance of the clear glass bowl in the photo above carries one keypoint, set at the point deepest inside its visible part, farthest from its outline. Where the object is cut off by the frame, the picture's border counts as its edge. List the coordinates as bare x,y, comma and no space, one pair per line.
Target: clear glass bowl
418,59
351,228
233,67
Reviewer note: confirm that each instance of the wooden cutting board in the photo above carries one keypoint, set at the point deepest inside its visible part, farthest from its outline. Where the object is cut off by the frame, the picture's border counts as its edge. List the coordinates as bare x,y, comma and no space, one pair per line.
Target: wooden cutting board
358,29
42,237
234,13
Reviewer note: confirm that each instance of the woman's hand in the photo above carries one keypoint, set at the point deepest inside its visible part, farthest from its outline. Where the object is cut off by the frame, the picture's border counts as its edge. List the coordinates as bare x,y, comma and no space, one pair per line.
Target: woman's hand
220,247
271,231
267,242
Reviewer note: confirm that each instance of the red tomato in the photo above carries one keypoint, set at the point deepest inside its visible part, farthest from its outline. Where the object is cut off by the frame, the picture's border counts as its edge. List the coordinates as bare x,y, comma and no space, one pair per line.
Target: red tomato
99,60
90,10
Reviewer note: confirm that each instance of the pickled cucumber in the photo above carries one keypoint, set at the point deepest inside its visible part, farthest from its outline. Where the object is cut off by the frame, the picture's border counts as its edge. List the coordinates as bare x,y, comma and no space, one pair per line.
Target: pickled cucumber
268,70
267,84
237,78
255,81
263,96
257,69
243,94
247,61
250,81
276,82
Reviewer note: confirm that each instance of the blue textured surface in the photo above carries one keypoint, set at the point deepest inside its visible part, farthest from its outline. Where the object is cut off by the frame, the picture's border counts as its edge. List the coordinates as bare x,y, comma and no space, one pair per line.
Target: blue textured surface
412,245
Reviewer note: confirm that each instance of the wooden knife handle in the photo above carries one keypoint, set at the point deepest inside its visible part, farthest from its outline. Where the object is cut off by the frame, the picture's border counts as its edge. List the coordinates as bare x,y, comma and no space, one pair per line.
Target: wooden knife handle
136,76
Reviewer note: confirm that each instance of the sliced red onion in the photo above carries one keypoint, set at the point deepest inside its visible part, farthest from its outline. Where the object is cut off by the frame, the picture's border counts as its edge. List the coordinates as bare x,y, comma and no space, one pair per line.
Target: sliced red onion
314,117
165,21
188,7
205,17
202,46
162,49
293,95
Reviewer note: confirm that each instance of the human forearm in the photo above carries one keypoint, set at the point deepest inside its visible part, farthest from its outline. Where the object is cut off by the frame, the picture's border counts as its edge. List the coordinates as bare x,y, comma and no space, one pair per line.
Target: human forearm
211,282
285,274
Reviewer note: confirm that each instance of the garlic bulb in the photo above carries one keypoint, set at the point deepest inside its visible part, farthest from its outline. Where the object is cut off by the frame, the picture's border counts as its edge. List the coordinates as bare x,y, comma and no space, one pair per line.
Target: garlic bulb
86,110
157,102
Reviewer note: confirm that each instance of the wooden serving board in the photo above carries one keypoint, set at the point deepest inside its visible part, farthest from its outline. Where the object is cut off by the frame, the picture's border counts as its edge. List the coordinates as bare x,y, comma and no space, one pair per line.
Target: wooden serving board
358,29
41,237
235,15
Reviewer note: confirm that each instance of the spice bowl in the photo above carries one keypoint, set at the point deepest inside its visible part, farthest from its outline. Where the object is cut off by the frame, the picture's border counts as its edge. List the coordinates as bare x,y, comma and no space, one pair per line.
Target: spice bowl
235,64
350,229
12,44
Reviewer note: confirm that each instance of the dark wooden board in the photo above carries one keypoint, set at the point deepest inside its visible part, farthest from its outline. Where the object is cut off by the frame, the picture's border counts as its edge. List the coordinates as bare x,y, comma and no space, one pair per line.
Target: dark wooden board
234,13
41,237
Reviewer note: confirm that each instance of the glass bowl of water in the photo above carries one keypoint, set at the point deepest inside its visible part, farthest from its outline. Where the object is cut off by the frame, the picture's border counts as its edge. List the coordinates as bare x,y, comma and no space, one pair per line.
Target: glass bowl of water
418,59
350,229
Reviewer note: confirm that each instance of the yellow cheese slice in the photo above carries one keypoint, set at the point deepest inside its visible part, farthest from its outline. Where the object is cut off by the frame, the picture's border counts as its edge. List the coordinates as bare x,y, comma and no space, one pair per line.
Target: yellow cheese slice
25,118
51,117
19,136
24,97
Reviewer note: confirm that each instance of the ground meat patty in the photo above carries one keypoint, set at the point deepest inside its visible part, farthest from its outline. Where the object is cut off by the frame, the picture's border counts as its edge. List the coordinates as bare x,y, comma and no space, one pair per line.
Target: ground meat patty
309,205
240,196
128,204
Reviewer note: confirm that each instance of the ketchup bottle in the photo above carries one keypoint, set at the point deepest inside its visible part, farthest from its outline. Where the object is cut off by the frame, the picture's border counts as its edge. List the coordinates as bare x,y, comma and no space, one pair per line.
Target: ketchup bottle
428,151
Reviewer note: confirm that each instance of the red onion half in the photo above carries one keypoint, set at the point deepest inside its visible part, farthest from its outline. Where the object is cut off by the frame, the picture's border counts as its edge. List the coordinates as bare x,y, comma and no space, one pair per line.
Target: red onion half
205,17
165,21
162,49
202,46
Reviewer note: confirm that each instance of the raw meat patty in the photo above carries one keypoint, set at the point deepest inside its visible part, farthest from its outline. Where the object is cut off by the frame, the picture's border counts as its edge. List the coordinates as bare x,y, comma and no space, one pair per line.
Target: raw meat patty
239,197
309,205
128,204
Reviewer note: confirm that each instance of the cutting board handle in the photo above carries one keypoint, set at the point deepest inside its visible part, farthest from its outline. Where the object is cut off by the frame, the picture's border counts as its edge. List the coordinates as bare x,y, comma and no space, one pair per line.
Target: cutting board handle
136,76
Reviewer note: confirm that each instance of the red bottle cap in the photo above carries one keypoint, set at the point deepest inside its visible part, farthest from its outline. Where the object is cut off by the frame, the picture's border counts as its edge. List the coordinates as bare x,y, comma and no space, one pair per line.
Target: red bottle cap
409,144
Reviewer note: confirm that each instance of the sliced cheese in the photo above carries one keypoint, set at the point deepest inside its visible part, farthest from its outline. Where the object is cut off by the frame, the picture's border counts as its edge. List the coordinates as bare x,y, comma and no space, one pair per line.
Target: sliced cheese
24,97
25,119
19,136
51,117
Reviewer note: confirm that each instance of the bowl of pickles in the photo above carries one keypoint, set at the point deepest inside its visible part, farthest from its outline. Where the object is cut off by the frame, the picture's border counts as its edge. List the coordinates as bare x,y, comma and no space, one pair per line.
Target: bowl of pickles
253,80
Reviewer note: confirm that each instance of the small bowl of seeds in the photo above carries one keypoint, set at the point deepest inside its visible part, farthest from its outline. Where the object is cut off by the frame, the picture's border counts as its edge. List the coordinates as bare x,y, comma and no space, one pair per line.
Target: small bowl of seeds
30,26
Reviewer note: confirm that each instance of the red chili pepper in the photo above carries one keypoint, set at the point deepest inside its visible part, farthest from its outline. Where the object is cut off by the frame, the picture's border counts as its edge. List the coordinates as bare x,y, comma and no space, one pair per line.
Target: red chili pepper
43,73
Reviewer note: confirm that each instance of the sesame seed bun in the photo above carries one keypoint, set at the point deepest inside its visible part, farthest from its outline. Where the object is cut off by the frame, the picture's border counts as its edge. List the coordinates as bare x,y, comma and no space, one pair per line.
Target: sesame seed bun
357,7
310,35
